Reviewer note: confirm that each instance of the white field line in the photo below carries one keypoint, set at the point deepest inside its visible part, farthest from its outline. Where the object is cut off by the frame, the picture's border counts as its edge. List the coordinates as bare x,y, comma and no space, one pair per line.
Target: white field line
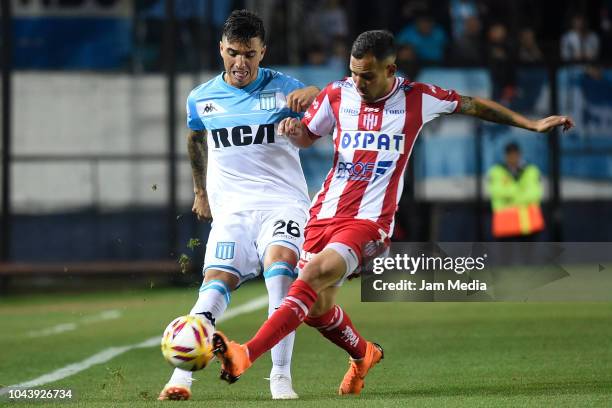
64,327
112,352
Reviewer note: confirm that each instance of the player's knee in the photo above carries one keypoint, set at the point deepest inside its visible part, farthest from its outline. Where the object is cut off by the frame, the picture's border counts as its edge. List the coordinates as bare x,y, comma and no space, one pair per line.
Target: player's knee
277,253
312,272
324,270
230,280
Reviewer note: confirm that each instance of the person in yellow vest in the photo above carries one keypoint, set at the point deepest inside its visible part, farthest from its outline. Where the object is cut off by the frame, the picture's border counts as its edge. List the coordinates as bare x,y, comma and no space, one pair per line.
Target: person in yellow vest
516,192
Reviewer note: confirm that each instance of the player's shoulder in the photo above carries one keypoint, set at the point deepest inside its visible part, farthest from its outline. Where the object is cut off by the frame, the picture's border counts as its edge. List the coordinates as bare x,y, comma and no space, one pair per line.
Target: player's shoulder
407,86
425,88
279,78
206,88
345,82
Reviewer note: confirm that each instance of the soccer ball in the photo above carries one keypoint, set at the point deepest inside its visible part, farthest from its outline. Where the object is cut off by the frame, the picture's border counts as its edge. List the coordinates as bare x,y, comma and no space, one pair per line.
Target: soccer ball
187,342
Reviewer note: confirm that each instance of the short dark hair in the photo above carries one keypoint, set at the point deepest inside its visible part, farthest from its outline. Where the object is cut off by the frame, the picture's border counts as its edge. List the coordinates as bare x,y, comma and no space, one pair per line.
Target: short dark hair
242,25
512,147
379,43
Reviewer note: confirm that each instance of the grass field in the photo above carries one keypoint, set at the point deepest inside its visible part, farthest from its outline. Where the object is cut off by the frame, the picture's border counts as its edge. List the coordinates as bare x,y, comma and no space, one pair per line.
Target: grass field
436,354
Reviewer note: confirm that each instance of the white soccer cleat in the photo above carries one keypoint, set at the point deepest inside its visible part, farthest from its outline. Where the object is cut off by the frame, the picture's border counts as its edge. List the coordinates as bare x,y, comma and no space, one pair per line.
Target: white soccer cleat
281,388
175,393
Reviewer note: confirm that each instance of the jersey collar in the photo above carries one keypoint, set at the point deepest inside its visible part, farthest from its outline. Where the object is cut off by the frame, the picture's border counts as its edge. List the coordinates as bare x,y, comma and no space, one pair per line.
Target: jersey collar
391,92
249,88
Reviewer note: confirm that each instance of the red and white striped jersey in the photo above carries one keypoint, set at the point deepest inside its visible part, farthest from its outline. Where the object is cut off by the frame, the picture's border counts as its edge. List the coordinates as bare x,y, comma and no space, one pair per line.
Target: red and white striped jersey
372,144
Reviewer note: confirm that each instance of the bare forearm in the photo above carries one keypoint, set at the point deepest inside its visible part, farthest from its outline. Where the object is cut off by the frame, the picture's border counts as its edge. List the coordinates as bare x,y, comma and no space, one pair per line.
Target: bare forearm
494,112
198,158
303,140
298,134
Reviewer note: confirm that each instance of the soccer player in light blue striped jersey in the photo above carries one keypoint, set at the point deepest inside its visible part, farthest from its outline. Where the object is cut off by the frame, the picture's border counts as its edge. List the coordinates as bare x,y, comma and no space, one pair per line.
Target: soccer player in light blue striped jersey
249,181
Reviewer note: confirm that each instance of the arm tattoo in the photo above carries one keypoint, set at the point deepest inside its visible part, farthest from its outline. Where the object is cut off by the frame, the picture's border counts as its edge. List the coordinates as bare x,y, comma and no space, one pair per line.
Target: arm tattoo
489,110
198,157
467,105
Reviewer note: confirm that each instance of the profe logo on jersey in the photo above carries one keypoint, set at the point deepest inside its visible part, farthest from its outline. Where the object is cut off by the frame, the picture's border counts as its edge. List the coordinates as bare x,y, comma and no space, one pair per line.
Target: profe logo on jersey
362,171
374,141
205,108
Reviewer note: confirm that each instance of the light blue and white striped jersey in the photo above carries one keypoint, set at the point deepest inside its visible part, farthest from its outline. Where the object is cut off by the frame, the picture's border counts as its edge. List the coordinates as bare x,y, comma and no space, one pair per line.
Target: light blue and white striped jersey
250,167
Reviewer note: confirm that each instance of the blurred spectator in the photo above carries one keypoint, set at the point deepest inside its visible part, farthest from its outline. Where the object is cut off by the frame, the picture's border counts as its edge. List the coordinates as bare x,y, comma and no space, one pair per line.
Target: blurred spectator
516,192
407,62
529,51
605,27
469,48
193,19
316,55
411,9
327,21
426,37
460,11
579,43
340,54
501,64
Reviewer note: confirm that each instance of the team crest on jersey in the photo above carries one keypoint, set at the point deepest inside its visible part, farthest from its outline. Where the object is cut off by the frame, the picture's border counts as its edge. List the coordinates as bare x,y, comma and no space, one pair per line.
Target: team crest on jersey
225,250
370,121
267,100
206,108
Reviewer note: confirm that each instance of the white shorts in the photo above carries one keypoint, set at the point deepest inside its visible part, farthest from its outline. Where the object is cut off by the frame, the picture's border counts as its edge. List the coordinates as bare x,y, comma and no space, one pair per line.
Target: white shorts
238,241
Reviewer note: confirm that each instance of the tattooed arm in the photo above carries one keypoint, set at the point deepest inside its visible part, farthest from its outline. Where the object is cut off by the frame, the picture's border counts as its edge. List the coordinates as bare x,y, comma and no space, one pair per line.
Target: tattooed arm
494,112
198,157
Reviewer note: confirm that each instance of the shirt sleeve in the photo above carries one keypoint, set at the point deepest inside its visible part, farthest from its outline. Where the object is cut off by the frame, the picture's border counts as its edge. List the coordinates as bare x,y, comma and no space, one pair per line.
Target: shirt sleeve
319,118
437,101
194,122
291,84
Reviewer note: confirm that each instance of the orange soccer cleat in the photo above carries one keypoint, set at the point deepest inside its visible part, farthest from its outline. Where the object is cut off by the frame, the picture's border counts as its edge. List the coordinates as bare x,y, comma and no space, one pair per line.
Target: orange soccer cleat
352,383
234,357
174,393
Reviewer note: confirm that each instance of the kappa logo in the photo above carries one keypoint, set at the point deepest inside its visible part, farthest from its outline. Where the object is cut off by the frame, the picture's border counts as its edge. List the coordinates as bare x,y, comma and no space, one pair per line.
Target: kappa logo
315,104
206,108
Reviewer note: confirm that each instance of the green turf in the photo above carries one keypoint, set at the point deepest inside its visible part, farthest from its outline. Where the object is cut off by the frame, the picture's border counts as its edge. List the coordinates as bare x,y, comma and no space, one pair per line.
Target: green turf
436,354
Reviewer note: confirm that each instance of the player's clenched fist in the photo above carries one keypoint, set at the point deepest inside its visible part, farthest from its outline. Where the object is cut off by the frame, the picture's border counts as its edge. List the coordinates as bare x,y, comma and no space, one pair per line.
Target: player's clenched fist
289,127
300,99
201,208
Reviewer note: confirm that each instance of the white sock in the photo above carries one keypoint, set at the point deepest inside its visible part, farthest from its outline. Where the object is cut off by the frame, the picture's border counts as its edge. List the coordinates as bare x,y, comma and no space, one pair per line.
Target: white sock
279,276
212,301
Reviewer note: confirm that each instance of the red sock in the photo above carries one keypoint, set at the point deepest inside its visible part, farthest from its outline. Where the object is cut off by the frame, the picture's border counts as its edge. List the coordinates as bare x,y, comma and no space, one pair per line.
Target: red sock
336,326
284,320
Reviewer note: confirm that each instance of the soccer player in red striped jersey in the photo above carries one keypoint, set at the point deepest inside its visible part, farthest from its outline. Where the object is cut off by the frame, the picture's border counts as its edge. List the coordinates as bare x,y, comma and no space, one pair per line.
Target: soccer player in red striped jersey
375,118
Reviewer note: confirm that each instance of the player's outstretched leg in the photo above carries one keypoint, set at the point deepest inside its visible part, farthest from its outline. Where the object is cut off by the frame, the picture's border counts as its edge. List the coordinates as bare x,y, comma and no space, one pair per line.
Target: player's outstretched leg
279,276
236,358
336,326
213,299
321,272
